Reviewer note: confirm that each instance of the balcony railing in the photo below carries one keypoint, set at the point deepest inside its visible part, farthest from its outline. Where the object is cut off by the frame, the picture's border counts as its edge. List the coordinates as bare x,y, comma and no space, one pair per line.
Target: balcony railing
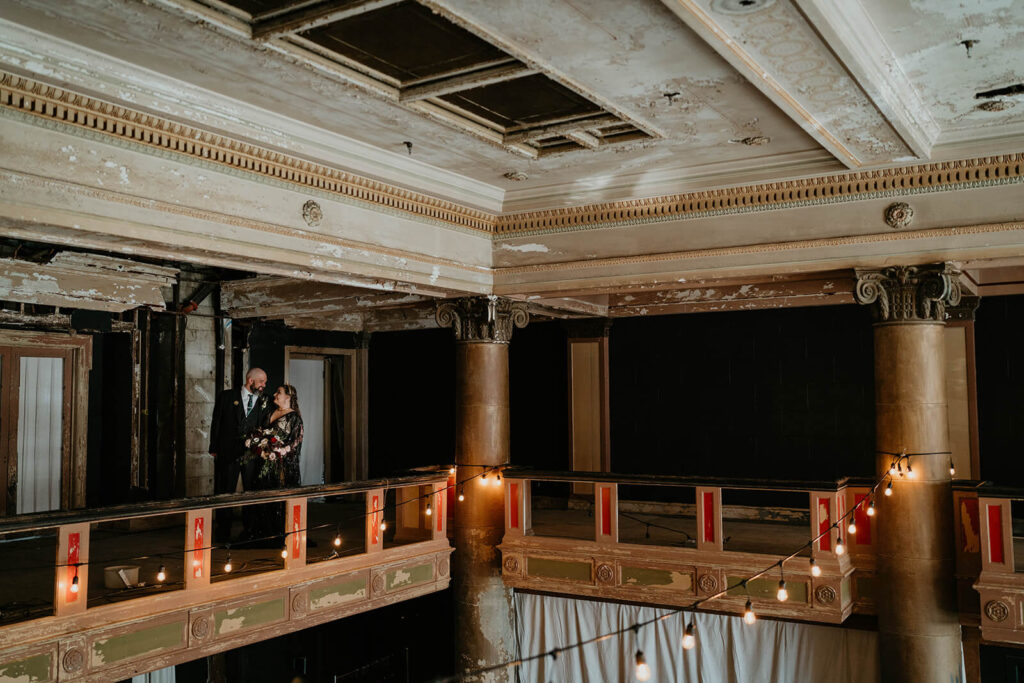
138,587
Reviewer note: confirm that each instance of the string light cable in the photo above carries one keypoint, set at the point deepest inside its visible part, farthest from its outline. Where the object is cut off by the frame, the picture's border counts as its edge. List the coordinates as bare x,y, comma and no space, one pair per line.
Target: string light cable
749,617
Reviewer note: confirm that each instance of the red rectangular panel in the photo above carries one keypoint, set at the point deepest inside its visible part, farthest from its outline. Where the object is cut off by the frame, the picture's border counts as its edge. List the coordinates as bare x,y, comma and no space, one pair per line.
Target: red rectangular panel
451,490
296,530
606,511
709,516
440,512
824,522
513,501
995,534
375,520
860,517
72,568
197,548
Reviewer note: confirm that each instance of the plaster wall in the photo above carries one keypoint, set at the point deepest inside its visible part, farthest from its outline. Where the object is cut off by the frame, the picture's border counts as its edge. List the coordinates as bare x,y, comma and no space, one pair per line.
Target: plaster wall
200,391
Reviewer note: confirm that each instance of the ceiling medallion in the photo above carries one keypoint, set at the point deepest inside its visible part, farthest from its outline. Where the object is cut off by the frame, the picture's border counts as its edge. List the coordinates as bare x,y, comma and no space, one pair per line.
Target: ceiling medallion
899,215
312,213
515,175
740,6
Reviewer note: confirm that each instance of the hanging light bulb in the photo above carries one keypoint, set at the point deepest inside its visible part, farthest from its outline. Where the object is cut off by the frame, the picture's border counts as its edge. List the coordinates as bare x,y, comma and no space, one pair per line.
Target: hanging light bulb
227,565
815,569
910,471
196,562
748,614
462,494
284,552
484,481
888,489
689,639
952,469
161,575
497,479
383,525
852,528
429,510
74,581
871,508
840,548
892,467
899,468
643,672
337,541
783,594
451,470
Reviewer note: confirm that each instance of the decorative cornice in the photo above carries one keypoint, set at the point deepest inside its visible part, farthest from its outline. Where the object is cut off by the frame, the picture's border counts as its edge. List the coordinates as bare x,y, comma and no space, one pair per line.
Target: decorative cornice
81,111
909,293
482,319
59,107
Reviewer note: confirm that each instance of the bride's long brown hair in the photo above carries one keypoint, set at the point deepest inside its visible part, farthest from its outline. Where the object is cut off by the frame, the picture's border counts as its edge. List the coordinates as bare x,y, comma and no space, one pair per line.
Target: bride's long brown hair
293,397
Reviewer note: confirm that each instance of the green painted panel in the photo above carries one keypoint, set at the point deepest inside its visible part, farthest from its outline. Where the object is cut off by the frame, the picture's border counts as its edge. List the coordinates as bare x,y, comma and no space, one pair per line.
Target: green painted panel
410,576
136,643
29,670
250,616
657,578
335,594
558,569
865,587
844,591
766,589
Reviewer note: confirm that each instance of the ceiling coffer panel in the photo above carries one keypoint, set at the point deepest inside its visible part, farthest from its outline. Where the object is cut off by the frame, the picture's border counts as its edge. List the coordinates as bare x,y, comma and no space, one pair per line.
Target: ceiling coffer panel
436,67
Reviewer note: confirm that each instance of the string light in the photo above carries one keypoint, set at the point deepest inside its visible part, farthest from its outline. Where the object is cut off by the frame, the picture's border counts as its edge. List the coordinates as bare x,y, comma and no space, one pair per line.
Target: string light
748,614
462,494
383,525
284,551
892,468
852,528
840,548
952,469
888,489
337,540
451,470
74,581
899,468
871,508
483,480
227,565
196,562
783,594
815,569
497,479
643,671
910,471
429,510
689,639
161,575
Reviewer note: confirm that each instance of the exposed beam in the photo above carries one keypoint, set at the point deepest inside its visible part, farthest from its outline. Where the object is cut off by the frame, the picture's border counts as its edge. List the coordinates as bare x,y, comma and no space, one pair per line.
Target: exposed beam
305,18
286,297
584,138
476,79
594,306
561,128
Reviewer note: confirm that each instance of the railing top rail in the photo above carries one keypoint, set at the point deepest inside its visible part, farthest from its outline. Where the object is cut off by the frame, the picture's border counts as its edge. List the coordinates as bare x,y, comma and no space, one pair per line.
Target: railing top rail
990,490
672,480
42,520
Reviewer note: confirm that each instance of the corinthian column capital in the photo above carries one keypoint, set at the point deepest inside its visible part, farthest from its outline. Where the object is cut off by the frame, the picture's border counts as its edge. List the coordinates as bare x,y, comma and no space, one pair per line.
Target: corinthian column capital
482,319
909,293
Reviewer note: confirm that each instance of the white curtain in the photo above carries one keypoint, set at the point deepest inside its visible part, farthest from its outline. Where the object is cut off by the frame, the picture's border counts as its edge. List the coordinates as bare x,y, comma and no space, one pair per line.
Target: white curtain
40,428
307,376
727,651
159,676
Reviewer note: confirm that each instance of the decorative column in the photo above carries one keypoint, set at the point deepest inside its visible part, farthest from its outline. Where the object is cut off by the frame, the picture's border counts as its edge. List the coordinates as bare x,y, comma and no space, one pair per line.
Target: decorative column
484,632
918,622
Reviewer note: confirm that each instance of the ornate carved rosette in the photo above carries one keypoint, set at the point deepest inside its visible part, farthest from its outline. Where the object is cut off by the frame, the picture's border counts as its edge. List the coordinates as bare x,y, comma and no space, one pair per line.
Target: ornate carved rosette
826,595
73,660
909,293
377,584
996,610
312,213
898,215
443,567
605,573
200,627
482,319
299,603
708,583
511,564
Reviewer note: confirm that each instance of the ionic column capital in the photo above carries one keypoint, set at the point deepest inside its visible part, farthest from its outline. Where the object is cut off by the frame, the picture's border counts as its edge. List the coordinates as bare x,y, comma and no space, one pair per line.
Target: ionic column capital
909,293
482,319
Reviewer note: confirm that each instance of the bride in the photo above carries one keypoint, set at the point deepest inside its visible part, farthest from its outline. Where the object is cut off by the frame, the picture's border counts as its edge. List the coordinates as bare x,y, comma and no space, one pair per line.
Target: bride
286,422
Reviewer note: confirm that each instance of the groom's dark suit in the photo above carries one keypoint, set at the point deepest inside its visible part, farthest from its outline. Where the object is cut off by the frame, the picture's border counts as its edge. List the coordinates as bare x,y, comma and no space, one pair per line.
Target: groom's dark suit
228,430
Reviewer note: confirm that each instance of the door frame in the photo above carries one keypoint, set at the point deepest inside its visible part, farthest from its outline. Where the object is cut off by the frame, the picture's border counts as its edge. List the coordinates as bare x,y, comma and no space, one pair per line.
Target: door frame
356,409
76,350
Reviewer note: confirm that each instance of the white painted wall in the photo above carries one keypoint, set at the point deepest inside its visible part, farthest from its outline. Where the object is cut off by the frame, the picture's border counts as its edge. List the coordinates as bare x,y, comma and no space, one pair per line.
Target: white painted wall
40,425
307,376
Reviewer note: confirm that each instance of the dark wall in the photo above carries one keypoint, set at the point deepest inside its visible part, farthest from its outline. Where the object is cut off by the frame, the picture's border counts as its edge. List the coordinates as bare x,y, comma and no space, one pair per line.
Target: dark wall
999,353
108,461
412,400
781,394
539,393
267,342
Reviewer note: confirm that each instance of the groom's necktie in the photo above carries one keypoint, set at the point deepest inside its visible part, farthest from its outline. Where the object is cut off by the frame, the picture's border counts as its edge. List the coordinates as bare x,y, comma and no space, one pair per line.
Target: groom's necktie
248,407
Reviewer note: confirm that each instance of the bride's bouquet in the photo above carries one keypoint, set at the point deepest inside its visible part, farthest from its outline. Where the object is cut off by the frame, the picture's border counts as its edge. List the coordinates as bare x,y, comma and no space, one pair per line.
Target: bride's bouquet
266,445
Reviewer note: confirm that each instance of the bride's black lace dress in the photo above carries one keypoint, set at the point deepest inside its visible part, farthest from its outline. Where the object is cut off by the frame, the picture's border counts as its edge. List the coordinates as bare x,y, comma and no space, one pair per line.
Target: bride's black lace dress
289,430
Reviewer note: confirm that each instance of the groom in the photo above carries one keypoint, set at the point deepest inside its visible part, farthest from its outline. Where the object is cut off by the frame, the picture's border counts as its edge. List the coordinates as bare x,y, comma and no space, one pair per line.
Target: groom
236,414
